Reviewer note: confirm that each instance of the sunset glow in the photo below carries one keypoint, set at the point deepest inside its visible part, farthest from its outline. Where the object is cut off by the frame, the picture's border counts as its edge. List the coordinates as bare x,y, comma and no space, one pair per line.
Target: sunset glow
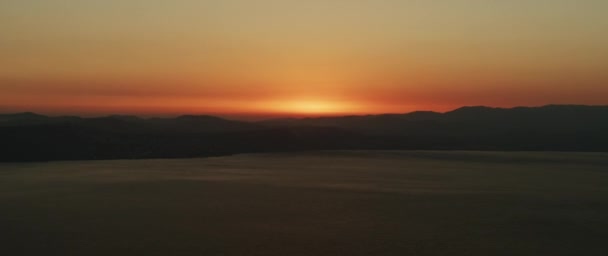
273,57
311,107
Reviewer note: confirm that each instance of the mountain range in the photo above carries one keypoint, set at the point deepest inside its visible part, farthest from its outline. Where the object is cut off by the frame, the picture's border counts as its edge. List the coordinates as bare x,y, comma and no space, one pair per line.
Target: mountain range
34,137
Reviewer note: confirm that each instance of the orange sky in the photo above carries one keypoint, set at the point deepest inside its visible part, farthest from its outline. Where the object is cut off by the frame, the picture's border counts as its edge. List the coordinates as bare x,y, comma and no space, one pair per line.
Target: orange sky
286,58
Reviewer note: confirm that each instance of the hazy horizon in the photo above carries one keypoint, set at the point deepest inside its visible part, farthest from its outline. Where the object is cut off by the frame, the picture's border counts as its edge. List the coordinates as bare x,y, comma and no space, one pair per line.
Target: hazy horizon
284,58
259,116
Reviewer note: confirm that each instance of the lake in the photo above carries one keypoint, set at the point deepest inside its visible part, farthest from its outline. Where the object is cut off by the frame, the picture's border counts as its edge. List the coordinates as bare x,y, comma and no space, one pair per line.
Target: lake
310,203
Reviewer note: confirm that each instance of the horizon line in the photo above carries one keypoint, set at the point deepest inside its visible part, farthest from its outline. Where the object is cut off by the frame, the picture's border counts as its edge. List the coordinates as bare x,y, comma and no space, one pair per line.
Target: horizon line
268,116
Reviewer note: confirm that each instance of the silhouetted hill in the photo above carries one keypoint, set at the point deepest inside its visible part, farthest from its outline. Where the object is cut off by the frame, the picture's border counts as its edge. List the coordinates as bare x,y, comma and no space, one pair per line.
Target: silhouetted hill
123,123
202,123
22,118
468,119
23,115
33,137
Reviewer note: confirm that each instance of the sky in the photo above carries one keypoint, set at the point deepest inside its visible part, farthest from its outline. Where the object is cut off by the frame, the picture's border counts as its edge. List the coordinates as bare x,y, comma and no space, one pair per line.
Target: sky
286,57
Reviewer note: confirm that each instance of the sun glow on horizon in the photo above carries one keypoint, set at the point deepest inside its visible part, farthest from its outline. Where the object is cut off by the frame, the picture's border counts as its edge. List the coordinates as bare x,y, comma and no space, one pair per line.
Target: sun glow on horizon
299,58
311,107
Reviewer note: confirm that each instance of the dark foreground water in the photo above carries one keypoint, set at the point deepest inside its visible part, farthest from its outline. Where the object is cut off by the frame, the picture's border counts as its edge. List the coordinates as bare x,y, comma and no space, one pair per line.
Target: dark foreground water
323,203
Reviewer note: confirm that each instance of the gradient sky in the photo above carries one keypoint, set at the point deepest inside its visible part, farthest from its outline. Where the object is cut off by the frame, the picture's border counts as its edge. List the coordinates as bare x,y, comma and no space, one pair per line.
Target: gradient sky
284,57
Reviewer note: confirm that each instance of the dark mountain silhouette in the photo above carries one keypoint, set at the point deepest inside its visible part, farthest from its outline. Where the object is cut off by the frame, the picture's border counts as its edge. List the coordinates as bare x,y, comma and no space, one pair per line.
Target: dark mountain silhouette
33,137
22,119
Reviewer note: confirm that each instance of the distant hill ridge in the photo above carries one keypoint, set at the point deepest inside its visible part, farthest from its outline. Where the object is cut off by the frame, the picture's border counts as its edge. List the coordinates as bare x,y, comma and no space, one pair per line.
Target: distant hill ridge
33,137
420,113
